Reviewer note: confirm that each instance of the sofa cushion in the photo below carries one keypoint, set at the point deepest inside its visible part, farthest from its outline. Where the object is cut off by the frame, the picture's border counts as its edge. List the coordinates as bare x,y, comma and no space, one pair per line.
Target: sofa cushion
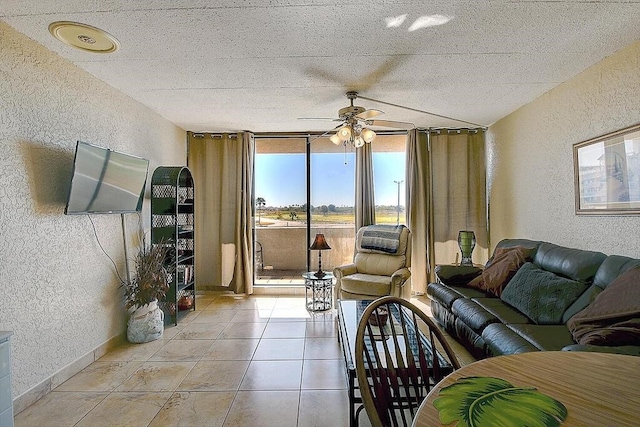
446,295
474,316
504,266
503,311
545,337
541,295
612,267
378,264
366,284
443,294
470,339
443,315
614,316
576,264
500,339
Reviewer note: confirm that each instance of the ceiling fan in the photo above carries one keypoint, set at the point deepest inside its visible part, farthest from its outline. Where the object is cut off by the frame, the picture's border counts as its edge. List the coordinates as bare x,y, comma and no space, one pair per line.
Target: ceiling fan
356,122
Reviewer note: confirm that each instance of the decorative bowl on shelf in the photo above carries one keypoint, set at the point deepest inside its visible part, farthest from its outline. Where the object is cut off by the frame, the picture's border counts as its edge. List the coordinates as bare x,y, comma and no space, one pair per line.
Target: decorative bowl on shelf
185,302
379,317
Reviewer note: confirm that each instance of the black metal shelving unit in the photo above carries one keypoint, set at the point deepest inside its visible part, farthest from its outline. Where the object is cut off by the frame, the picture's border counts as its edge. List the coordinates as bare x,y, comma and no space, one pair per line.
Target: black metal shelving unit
172,224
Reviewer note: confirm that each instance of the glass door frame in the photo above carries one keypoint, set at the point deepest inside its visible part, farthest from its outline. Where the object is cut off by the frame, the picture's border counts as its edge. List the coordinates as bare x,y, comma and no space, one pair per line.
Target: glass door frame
308,138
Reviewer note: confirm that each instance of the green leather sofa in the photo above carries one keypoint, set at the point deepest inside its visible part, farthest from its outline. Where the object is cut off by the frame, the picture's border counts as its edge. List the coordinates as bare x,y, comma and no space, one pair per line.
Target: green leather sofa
488,325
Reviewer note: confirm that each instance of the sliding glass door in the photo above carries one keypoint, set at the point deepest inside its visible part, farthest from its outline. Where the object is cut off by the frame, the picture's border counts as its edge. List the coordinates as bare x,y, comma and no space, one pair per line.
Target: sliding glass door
389,165
332,190
280,206
305,186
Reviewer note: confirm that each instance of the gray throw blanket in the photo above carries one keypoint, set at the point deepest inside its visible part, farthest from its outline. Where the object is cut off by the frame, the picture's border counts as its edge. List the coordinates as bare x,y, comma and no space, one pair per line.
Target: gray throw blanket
385,238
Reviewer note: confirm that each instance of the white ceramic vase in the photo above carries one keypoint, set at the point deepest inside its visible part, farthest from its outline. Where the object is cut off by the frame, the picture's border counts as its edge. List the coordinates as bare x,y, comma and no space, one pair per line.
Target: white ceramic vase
146,323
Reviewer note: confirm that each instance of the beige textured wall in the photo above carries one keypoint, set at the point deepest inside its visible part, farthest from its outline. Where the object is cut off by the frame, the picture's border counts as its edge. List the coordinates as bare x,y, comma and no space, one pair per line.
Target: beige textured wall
60,295
531,163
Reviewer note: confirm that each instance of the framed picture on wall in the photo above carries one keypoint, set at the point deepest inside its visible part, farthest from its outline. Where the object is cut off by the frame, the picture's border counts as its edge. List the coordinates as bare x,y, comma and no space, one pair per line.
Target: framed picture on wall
607,174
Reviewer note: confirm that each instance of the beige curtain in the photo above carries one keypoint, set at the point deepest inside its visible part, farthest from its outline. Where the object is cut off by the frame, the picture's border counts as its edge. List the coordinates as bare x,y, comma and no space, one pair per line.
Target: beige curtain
222,167
459,192
445,193
419,215
365,206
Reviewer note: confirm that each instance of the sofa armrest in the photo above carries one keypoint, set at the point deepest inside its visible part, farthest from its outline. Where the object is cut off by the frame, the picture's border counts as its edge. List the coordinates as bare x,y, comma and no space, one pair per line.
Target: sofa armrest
398,281
456,274
344,270
339,273
631,350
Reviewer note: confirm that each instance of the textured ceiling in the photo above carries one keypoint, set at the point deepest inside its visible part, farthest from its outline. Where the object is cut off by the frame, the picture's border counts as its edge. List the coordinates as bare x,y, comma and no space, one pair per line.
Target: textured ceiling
260,65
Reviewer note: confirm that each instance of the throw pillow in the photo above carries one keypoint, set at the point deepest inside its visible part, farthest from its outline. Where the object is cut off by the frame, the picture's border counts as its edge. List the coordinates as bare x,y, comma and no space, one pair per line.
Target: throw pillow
527,253
541,295
613,318
503,267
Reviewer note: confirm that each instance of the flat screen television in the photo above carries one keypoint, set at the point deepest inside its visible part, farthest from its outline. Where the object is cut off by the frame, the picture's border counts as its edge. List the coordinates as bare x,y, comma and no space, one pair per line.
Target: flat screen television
106,181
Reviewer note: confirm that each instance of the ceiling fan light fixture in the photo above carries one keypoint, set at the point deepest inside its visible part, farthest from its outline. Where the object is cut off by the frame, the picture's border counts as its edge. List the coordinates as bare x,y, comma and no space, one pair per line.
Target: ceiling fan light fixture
344,133
358,142
367,134
335,139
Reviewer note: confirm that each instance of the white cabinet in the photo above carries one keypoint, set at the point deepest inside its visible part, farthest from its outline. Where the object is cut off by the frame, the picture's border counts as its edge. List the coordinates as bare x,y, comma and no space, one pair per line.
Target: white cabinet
6,402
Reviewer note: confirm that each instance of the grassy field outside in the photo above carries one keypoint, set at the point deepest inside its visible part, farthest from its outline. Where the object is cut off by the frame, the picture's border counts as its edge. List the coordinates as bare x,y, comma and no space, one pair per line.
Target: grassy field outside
271,218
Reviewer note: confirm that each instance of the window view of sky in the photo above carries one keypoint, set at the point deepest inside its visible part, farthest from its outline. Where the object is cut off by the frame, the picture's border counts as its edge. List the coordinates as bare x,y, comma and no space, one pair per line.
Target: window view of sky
280,178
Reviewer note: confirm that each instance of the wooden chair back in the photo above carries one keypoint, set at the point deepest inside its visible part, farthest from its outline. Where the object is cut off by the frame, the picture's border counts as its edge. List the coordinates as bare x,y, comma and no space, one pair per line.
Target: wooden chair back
395,365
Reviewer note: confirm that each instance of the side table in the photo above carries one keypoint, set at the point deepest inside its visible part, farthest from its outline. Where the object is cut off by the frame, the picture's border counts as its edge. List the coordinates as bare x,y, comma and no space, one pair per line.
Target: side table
456,274
321,290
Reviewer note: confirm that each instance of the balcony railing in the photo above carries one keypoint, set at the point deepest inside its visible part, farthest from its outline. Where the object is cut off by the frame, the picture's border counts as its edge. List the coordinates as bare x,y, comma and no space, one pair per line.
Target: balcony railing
284,250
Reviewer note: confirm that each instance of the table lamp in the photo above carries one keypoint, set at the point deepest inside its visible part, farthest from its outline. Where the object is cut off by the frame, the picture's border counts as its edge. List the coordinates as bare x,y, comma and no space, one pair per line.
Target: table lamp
319,244
466,242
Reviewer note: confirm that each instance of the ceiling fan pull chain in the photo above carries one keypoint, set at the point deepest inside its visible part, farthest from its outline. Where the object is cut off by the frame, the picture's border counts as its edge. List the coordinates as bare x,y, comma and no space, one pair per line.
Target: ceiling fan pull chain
345,152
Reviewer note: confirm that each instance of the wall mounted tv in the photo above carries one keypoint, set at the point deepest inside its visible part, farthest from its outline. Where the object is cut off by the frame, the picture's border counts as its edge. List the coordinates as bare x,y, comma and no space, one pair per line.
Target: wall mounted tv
106,181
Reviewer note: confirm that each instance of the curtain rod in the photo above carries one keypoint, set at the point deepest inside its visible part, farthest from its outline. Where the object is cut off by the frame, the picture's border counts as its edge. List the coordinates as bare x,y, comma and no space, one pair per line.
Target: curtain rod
302,135
214,135
452,130
315,133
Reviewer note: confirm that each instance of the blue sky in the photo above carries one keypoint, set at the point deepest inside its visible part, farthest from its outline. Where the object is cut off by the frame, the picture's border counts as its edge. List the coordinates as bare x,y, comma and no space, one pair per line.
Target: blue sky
280,178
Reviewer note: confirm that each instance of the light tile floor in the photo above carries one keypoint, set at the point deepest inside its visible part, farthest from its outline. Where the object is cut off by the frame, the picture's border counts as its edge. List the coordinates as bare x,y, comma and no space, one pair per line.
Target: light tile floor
236,361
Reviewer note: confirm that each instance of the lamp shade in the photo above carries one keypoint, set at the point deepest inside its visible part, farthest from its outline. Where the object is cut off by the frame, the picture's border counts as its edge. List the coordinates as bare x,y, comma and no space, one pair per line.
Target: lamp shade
319,244
344,133
368,134
335,139
358,142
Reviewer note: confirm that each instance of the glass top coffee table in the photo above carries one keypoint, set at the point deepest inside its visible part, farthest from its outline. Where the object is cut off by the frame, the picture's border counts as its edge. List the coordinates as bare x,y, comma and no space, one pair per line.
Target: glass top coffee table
349,314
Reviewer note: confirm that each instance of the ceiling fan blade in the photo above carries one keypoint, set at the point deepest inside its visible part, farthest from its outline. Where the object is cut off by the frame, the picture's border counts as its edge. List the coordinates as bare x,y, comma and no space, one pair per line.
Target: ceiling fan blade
391,124
325,134
369,114
371,79
319,118
324,75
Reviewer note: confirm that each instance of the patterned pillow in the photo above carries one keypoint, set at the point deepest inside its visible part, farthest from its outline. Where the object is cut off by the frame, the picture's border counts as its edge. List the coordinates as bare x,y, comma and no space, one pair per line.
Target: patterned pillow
541,295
